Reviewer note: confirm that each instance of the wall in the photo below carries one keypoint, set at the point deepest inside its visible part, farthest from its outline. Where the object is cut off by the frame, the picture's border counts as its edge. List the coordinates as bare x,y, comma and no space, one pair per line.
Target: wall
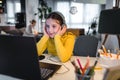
31,9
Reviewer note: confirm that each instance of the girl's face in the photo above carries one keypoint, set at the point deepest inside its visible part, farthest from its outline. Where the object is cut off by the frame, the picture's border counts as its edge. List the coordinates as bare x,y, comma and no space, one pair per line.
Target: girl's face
52,27
33,24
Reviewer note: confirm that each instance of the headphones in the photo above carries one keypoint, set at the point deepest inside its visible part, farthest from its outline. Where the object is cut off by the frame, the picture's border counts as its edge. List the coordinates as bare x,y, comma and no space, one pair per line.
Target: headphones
62,17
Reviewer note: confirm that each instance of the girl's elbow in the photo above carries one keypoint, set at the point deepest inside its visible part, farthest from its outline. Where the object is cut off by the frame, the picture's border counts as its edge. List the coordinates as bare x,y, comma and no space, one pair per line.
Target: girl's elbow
65,59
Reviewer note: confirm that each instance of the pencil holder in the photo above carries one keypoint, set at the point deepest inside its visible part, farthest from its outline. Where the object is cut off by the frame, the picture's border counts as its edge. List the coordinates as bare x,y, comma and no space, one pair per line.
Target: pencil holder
84,77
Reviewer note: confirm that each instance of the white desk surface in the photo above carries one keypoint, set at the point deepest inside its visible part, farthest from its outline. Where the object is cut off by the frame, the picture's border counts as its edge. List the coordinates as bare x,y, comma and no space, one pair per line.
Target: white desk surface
70,75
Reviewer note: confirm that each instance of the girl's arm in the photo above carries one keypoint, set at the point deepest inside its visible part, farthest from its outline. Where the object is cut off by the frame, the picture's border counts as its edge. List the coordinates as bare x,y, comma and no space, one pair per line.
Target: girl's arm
42,45
64,50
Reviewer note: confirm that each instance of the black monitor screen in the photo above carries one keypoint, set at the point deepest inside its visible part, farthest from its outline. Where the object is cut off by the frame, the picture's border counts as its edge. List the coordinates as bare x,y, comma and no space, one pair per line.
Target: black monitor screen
109,21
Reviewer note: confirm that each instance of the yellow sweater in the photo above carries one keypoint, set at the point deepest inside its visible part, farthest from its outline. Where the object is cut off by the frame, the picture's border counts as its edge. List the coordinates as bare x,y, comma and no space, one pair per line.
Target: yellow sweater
61,46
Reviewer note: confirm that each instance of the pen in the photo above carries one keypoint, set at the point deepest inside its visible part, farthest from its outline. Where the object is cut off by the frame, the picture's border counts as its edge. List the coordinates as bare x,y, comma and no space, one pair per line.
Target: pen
117,57
76,68
95,63
118,53
91,69
80,65
109,53
104,49
87,64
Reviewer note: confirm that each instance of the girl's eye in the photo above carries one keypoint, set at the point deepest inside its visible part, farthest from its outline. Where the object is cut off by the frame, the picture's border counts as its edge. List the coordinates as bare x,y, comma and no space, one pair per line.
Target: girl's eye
54,26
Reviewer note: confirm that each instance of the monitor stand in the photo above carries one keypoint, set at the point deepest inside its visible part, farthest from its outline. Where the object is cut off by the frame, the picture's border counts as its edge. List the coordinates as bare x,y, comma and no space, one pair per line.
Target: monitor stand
106,36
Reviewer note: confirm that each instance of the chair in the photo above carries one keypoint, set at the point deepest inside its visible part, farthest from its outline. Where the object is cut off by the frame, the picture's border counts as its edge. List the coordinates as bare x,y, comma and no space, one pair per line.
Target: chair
86,45
76,32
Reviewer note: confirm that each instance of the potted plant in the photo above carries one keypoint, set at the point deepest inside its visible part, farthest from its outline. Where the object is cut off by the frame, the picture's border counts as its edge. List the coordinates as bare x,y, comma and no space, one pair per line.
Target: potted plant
43,10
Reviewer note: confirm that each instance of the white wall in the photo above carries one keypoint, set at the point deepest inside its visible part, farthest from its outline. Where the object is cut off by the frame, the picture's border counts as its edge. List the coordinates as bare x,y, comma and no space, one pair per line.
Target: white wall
31,9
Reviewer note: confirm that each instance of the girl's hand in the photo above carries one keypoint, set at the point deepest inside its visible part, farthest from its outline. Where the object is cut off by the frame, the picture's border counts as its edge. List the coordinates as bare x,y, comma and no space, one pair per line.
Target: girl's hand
62,30
35,33
45,32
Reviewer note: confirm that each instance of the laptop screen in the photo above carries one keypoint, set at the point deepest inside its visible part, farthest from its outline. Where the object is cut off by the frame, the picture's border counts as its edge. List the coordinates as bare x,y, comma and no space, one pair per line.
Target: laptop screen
18,57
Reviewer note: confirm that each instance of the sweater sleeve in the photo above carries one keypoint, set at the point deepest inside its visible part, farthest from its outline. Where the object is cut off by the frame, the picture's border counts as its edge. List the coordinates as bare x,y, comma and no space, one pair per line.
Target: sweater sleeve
42,45
64,50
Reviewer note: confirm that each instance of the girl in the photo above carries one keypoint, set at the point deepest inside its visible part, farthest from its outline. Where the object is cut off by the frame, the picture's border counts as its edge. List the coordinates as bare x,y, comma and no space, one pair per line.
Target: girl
56,40
30,30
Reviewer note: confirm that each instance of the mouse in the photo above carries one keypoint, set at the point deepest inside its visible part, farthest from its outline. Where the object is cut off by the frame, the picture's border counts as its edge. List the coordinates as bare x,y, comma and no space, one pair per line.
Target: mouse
41,57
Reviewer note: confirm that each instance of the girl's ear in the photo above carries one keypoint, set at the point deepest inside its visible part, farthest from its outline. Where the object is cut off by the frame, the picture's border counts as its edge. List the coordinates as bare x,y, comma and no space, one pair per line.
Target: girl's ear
63,25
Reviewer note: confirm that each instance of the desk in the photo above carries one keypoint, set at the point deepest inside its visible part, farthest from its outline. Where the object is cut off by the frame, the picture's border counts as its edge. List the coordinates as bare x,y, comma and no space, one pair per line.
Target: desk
67,75
70,75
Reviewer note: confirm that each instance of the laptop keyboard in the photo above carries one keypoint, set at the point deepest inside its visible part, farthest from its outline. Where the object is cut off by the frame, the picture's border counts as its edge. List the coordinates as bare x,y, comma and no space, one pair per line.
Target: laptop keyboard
46,73
48,70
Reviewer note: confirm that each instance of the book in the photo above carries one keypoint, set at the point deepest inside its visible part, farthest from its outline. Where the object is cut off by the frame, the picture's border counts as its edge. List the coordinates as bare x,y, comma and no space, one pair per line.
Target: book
112,73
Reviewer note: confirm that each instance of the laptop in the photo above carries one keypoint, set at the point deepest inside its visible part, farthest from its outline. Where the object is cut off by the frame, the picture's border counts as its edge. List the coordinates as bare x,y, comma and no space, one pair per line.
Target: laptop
19,59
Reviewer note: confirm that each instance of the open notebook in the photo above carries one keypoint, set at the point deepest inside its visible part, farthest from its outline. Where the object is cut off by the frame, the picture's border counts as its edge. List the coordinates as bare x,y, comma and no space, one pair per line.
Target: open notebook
18,58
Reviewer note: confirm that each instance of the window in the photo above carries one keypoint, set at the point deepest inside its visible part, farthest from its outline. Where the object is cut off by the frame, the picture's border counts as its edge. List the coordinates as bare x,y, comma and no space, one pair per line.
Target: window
83,18
77,18
13,6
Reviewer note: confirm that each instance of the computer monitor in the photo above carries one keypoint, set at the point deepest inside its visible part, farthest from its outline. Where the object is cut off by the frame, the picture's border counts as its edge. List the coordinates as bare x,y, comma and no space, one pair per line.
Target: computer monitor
109,21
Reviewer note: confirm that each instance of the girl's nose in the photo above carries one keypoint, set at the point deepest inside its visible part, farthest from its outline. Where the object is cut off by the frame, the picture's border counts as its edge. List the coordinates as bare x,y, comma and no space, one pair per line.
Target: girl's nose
51,30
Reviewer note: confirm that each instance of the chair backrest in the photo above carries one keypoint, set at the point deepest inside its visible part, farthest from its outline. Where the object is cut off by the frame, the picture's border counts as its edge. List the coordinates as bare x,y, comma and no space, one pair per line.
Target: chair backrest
76,32
86,45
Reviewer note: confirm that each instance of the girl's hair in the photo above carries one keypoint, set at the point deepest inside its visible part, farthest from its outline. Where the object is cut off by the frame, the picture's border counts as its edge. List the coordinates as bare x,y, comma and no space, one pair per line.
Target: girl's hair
57,16
33,21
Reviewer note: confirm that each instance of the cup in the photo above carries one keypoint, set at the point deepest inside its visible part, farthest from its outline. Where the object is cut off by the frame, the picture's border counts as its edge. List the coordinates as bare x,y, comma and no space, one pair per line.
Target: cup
85,77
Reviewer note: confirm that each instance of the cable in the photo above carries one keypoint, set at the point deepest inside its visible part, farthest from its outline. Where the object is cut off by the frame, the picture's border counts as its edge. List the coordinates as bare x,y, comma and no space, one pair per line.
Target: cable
51,58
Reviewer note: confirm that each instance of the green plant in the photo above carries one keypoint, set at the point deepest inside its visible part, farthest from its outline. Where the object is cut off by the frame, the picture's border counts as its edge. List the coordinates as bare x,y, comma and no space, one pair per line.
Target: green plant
43,10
